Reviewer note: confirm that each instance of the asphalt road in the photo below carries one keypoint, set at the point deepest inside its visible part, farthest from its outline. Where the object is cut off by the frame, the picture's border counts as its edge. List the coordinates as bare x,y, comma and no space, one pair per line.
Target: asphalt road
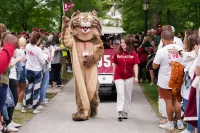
56,117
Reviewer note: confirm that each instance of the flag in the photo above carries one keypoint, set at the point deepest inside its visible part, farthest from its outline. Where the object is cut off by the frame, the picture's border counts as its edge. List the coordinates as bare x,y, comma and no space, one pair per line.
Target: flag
67,6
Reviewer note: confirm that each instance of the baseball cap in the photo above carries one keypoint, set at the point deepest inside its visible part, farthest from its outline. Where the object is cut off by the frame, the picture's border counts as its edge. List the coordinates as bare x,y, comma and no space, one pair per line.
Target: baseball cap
23,33
34,29
41,29
116,42
46,33
159,26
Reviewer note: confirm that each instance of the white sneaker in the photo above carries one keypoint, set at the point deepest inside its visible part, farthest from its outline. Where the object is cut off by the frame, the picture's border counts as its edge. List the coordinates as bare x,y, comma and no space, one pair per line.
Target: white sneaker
35,111
11,128
18,106
44,103
186,131
180,125
46,100
15,124
40,107
167,126
30,107
23,110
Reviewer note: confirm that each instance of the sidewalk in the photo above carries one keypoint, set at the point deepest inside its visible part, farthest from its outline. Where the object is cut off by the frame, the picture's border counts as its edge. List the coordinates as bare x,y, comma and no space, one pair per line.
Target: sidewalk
56,117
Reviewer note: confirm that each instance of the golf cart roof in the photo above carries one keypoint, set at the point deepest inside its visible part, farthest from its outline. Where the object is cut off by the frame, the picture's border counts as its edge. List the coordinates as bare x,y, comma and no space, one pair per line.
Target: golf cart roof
112,30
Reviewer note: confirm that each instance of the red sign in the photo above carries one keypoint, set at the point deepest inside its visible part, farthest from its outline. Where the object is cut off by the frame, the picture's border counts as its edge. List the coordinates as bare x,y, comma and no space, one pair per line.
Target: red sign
105,64
67,6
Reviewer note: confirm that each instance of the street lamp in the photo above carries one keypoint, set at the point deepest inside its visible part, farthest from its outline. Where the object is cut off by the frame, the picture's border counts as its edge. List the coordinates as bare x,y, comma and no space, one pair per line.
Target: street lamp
145,8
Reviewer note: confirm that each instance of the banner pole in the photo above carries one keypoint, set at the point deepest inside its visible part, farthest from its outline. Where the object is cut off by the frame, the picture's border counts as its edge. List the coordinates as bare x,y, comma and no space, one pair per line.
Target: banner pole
63,4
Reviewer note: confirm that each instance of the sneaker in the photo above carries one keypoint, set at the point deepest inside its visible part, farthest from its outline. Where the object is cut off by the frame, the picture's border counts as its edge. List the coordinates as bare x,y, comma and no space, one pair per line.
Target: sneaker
125,115
44,103
15,124
35,111
120,115
186,131
40,107
59,86
167,126
24,110
11,128
18,106
163,121
180,125
151,84
30,107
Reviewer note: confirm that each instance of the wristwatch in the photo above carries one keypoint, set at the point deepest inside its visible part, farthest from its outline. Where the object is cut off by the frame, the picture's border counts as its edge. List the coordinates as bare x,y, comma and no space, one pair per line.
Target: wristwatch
179,52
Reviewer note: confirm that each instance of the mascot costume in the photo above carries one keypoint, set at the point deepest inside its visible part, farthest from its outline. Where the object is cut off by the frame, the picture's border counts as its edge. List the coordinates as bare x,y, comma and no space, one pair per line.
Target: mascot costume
81,35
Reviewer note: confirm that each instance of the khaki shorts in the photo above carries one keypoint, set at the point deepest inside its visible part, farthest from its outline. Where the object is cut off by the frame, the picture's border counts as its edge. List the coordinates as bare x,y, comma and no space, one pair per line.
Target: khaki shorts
165,93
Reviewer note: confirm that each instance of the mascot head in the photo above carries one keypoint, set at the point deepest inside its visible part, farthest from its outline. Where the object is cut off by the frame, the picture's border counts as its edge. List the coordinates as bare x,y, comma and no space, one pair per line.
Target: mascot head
85,25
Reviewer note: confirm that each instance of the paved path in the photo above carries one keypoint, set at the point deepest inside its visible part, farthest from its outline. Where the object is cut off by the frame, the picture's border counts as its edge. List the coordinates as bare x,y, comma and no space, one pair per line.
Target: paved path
56,117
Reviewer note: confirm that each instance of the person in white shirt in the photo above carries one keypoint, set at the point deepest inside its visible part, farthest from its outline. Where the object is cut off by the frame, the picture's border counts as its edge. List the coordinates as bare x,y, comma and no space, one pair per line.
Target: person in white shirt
34,64
22,79
176,40
197,72
46,68
162,59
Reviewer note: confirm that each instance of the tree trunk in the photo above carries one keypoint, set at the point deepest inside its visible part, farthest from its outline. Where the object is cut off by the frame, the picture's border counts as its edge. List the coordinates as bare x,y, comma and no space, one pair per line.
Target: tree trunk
155,19
168,16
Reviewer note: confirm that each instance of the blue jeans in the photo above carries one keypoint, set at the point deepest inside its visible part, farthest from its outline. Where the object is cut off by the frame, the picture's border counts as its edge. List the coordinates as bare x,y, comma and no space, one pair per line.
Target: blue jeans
44,85
3,95
32,91
22,75
189,127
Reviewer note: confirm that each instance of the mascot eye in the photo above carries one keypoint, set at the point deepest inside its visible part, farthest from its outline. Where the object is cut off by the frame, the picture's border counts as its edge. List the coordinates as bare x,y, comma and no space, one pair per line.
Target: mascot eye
81,19
89,19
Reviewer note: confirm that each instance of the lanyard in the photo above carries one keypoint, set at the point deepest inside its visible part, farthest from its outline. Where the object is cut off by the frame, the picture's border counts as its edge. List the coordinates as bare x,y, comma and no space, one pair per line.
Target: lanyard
125,62
85,46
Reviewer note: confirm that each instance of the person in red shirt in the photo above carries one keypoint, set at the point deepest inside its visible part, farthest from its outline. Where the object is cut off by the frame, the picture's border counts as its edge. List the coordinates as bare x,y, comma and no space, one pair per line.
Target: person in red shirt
125,71
7,50
6,53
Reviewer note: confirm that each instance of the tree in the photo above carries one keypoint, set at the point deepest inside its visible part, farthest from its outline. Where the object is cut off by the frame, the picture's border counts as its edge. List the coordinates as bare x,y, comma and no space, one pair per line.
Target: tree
178,13
25,14
85,6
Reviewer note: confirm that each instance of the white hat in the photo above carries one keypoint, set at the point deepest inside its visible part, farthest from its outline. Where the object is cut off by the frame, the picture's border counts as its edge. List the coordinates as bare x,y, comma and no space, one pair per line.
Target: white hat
173,30
116,42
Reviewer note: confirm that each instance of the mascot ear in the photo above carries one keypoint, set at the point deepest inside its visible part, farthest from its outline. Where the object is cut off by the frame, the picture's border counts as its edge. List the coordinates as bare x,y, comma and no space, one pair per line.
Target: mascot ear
75,13
94,12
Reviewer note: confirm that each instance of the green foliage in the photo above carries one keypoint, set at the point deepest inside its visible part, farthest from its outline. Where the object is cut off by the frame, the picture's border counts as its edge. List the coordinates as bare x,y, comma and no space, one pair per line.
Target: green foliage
180,13
85,6
26,14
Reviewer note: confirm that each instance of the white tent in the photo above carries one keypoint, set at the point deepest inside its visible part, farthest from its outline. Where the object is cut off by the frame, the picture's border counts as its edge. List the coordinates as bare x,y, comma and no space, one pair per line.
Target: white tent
112,30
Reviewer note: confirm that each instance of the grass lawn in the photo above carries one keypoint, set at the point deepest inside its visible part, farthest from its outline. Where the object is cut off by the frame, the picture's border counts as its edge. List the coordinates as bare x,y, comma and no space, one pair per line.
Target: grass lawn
151,93
22,118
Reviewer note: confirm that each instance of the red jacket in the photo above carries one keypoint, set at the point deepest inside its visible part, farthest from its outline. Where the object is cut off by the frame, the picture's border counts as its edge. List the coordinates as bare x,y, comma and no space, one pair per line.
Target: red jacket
5,56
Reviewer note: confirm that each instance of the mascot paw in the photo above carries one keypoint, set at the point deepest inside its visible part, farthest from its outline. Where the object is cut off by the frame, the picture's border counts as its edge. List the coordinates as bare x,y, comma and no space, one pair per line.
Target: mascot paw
93,112
65,22
79,117
89,61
